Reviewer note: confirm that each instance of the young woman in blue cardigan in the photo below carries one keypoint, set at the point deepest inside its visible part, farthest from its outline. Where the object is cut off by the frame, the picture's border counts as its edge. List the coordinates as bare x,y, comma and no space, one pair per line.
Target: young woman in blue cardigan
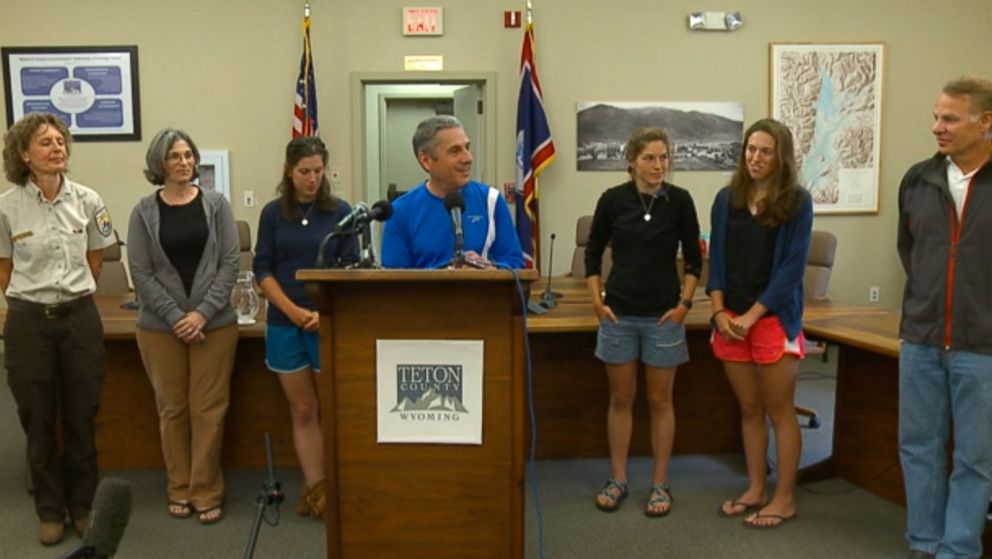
761,227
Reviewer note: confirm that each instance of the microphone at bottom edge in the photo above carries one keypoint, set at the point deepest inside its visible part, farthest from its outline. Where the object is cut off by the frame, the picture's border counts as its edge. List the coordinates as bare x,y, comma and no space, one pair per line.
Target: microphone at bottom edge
109,516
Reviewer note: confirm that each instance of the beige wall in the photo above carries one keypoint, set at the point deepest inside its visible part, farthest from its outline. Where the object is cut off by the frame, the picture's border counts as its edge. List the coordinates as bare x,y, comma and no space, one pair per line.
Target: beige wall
224,70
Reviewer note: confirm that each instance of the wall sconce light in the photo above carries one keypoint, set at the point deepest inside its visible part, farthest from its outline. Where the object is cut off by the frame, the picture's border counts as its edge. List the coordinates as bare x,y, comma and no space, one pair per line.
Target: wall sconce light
715,21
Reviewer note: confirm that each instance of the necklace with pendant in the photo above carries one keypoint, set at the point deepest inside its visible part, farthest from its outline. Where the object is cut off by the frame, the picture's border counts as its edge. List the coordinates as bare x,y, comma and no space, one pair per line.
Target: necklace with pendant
306,220
647,207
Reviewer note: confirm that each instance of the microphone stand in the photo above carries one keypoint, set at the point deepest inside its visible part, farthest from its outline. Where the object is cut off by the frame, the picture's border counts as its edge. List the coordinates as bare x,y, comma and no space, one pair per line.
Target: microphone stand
323,246
270,496
366,258
458,257
548,297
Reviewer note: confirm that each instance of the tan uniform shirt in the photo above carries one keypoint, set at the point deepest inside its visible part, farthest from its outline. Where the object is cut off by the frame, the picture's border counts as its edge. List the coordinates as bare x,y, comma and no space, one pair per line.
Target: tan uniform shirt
47,241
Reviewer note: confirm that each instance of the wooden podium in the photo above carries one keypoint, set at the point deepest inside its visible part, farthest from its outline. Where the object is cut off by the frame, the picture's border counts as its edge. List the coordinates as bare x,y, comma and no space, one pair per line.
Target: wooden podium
420,500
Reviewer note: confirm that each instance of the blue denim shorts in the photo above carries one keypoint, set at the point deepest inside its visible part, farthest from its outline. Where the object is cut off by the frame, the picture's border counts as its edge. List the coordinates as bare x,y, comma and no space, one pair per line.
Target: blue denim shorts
289,349
642,337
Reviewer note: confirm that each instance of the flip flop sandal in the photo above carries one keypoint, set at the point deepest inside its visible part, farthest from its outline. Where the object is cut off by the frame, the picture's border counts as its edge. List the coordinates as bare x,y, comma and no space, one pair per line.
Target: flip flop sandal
748,507
210,515
781,520
179,509
614,491
661,493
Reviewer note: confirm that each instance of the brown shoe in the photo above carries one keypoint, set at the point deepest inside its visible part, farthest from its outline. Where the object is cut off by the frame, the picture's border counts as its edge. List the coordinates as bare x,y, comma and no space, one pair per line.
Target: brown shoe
302,506
51,533
317,499
81,524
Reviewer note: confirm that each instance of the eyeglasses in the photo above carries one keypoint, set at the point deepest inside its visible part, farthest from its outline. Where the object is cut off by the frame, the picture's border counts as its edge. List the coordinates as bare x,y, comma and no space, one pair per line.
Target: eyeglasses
176,157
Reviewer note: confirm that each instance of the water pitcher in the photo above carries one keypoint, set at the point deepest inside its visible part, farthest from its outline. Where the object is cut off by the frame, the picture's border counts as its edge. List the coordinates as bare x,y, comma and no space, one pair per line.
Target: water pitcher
244,298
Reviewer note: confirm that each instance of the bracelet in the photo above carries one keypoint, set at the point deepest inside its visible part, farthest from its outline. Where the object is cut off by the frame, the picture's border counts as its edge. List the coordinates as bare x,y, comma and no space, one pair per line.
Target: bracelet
713,316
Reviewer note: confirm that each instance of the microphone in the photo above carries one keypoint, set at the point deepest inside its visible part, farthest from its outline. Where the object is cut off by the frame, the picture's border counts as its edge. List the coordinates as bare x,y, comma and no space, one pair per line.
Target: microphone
108,519
381,210
548,297
455,204
359,215
360,210
362,213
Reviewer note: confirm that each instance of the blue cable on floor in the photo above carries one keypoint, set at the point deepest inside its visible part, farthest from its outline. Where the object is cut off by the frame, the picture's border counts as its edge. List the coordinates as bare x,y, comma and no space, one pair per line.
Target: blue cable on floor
531,462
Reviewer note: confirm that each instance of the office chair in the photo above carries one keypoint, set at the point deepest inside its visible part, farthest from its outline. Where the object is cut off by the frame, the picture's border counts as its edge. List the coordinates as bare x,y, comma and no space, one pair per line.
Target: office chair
578,270
819,265
113,275
246,257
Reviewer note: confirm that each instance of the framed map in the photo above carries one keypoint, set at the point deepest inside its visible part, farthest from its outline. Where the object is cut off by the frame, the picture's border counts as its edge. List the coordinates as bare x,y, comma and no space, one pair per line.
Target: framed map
830,96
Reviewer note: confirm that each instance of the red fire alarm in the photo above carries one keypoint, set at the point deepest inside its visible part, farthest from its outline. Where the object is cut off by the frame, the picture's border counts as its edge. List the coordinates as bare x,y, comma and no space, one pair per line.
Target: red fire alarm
511,19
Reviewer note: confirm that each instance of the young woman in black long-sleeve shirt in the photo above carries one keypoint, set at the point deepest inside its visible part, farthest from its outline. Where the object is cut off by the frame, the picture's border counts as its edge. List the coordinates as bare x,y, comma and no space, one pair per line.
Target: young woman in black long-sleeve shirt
645,221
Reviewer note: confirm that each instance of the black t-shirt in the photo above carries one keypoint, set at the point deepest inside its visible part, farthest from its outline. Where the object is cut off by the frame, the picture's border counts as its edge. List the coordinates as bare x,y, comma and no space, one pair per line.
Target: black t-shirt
644,279
183,234
750,248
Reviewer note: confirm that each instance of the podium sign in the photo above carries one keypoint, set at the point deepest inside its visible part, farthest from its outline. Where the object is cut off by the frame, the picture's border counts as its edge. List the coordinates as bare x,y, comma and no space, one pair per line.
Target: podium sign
429,391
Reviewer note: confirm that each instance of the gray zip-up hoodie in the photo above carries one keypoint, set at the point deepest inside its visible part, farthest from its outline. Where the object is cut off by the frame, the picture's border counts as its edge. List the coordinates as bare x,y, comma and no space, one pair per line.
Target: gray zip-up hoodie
948,295
162,299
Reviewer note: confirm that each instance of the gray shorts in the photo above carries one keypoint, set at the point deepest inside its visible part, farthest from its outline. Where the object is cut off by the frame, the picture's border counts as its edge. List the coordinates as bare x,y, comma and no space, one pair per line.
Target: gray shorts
641,337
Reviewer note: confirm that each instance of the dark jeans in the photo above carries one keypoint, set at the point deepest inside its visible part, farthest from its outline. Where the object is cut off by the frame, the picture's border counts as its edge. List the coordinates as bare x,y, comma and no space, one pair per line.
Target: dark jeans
55,367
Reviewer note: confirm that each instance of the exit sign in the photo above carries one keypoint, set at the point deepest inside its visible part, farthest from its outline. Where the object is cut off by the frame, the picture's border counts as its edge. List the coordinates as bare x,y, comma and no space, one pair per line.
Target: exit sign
423,21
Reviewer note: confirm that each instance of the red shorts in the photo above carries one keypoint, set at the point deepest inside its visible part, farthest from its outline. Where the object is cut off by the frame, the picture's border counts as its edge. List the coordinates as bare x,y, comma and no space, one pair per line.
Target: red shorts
764,344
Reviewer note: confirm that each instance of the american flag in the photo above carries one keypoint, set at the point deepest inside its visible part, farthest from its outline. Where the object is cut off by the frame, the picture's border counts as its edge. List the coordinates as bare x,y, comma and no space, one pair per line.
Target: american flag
535,150
305,109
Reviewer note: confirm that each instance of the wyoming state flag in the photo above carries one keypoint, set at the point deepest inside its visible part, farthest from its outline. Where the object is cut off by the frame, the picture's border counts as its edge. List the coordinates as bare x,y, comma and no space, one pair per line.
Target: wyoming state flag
535,150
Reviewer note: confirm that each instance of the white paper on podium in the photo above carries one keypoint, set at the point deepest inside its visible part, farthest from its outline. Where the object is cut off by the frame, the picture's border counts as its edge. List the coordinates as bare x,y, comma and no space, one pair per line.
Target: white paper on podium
429,391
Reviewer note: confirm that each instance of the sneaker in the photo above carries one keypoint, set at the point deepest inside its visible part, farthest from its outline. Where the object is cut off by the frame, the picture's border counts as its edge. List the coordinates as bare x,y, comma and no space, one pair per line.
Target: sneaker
51,533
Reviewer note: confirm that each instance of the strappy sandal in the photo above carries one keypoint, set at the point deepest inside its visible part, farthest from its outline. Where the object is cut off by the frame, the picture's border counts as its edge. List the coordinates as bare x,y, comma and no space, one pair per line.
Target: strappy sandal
180,509
661,494
614,491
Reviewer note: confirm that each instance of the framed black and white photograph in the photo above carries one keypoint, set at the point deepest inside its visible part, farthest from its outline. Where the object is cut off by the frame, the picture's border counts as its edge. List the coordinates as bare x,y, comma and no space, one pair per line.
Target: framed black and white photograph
215,171
94,90
705,136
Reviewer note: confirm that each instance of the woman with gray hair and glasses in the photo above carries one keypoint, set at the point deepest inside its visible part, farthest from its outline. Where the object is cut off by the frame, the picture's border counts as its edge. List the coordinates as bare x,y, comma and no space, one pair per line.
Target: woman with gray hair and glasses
183,256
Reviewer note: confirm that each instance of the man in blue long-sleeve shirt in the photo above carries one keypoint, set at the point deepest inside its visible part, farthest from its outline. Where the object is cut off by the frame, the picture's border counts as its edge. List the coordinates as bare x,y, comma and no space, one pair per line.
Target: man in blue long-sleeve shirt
420,233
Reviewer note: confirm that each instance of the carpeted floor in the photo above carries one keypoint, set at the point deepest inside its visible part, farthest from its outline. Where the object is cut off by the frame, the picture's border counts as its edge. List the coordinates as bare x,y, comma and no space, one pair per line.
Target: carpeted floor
836,519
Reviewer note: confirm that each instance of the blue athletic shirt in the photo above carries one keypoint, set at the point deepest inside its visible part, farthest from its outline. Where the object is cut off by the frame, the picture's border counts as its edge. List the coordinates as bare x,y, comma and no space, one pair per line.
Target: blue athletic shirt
419,234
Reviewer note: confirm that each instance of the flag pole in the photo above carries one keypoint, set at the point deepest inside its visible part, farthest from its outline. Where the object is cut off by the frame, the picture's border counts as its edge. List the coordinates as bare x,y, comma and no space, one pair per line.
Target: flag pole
305,103
536,207
537,191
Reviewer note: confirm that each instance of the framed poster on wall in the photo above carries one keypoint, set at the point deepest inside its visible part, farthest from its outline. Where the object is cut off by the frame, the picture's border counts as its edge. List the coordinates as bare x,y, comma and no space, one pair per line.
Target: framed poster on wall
706,136
94,90
214,171
830,96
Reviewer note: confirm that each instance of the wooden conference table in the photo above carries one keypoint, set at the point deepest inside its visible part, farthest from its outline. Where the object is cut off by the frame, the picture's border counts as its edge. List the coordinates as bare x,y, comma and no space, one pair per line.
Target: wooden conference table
570,393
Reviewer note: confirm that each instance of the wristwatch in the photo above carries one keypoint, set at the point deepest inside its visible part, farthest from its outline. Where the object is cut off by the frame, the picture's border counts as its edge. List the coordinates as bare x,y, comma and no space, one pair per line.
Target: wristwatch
687,303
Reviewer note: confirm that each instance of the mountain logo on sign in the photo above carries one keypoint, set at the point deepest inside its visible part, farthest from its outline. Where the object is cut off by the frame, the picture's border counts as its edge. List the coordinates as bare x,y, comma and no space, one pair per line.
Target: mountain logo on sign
429,387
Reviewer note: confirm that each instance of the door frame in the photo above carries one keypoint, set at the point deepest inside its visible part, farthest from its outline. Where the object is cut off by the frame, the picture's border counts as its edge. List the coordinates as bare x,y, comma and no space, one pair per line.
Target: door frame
359,81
